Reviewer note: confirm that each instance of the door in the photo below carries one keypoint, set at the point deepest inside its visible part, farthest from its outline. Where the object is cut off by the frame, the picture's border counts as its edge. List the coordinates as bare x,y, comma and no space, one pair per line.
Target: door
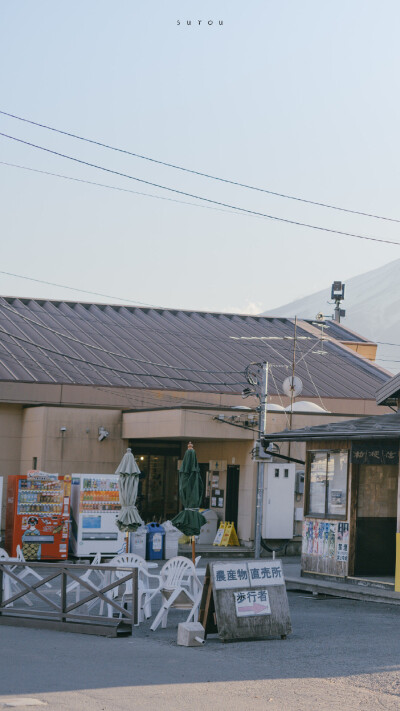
232,493
204,474
375,549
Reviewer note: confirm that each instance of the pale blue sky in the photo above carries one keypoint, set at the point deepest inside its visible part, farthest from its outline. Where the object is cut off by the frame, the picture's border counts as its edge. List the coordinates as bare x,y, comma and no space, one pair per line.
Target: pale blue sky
300,98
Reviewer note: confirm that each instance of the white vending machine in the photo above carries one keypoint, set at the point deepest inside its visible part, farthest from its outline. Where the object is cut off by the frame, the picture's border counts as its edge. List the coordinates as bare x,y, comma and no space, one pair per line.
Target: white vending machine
94,509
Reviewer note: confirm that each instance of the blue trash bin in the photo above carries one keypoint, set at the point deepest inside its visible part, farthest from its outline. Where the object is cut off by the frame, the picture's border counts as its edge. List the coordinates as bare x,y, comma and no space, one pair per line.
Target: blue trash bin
155,541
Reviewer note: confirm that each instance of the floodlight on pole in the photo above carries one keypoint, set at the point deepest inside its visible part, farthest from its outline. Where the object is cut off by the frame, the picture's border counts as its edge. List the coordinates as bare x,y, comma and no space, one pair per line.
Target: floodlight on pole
337,295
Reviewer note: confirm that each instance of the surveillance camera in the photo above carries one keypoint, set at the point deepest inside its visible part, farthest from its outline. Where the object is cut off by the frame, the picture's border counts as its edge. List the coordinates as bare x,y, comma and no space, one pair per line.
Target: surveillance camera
63,429
103,434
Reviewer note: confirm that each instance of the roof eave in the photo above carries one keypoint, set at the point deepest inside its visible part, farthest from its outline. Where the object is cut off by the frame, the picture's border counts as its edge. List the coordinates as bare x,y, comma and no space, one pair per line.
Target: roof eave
324,436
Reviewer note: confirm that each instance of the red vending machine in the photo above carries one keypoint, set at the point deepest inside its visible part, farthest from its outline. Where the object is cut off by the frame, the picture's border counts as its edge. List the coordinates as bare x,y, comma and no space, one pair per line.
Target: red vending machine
37,515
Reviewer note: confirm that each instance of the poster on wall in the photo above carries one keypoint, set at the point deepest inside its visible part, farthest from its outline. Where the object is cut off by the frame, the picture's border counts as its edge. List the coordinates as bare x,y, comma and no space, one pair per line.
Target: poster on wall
342,544
319,539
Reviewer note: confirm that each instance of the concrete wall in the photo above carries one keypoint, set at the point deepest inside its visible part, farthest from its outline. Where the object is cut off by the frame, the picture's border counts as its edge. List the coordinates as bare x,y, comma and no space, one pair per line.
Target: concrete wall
10,449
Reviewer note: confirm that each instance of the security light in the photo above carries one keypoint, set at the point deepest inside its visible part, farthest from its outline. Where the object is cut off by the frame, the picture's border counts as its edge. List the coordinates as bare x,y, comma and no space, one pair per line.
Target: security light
337,291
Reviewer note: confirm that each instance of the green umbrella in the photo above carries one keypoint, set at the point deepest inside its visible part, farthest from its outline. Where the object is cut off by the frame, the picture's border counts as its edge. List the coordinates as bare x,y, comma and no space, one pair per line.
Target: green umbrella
191,491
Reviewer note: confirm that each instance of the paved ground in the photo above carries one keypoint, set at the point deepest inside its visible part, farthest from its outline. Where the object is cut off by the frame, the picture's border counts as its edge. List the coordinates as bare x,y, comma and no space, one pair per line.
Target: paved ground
342,655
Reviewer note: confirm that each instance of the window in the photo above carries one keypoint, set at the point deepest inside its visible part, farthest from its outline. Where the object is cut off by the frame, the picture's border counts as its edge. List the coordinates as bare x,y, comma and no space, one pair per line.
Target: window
327,483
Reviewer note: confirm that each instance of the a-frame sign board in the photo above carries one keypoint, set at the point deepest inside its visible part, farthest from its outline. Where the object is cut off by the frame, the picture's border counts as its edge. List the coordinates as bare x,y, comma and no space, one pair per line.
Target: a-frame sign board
207,615
245,600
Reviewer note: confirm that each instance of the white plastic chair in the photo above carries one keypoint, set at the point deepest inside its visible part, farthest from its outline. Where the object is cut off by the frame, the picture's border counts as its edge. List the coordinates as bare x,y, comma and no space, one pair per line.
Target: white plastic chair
86,577
188,579
27,570
145,591
180,588
10,585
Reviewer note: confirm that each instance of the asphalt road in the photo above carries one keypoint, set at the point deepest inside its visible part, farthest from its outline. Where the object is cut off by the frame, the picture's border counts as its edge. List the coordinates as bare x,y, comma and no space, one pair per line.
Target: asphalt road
342,655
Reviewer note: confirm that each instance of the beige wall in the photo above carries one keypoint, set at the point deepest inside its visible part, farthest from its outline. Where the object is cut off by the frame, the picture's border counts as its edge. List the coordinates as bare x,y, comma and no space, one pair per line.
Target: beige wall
181,424
10,447
75,450
238,453
126,398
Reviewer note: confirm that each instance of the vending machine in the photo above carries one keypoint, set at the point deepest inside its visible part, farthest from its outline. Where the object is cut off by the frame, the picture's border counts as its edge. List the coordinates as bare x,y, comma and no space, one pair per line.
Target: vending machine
37,515
1,501
94,510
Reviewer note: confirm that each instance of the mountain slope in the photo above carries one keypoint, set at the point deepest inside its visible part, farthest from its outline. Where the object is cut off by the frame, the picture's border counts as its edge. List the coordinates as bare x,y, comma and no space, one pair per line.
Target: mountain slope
372,303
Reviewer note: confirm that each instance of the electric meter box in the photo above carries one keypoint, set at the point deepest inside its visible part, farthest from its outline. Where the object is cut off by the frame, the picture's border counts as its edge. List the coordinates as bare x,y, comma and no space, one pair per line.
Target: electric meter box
278,501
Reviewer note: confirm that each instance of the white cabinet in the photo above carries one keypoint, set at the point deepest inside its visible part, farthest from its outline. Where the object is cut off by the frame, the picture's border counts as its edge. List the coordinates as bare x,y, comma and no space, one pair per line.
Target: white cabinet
278,502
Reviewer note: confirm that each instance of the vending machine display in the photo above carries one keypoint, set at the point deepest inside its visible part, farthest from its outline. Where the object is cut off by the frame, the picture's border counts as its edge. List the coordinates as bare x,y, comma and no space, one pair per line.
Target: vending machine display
37,515
94,510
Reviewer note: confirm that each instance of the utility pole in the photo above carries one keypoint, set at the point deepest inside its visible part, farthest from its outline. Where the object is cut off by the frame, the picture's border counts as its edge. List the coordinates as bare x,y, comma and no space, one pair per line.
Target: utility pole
260,464
292,387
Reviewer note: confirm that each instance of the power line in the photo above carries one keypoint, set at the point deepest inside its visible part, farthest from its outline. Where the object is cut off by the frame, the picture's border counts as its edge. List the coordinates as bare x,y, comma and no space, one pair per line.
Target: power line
221,341
83,291
116,370
66,336
198,197
197,172
117,188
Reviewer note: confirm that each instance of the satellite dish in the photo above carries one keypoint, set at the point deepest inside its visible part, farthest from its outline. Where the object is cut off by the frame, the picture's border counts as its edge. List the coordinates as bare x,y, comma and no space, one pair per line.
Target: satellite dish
292,386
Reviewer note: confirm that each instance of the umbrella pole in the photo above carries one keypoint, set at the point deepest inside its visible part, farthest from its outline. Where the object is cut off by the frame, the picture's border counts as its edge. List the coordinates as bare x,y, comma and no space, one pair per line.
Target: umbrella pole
193,549
127,542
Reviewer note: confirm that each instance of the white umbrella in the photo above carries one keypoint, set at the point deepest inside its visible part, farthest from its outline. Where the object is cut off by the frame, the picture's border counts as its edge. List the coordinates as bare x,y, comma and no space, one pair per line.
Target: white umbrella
128,483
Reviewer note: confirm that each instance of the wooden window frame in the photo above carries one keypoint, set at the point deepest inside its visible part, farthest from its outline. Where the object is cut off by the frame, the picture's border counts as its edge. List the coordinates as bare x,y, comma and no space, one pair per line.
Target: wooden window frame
325,516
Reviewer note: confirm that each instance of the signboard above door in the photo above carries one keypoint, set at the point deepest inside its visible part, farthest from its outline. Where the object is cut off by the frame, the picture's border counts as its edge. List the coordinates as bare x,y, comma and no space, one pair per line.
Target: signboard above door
375,452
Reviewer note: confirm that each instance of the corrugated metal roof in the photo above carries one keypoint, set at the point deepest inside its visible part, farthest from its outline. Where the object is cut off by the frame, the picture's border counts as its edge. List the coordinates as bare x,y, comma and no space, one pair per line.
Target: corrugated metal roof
110,345
373,427
389,392
341,332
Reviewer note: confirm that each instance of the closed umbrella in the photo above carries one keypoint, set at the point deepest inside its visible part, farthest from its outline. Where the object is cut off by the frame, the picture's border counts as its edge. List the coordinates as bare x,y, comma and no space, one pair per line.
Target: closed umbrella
128,518
191,491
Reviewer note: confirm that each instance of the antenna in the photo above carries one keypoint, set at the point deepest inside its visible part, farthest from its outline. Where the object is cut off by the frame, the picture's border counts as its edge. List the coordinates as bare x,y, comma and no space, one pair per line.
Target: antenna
292,386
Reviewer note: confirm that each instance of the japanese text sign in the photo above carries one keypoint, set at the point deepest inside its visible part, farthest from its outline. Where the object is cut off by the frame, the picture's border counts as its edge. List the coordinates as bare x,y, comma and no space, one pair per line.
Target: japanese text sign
230,575
252,602
240,575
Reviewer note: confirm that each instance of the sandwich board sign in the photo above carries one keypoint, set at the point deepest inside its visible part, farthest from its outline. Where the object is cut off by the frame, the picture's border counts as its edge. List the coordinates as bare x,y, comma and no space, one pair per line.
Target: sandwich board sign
245,599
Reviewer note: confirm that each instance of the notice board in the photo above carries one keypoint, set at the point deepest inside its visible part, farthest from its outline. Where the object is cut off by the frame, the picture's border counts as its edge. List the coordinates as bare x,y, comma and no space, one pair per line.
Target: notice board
245,599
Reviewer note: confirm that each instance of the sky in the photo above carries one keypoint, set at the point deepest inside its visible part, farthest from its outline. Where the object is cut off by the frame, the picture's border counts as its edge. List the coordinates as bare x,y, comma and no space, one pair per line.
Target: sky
295,98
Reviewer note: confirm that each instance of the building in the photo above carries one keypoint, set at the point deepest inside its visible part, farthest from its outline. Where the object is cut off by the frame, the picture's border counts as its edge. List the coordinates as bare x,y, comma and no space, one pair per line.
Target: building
80,381
351,510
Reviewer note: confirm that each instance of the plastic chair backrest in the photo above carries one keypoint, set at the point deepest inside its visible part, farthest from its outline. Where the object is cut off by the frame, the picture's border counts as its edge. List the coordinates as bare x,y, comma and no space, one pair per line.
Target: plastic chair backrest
20,554
130,559
3,554
97,559
174,570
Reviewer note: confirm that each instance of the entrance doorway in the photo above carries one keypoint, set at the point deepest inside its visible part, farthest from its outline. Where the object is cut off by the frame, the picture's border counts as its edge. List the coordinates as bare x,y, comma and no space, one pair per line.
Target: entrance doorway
376,518
158,495
232,493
